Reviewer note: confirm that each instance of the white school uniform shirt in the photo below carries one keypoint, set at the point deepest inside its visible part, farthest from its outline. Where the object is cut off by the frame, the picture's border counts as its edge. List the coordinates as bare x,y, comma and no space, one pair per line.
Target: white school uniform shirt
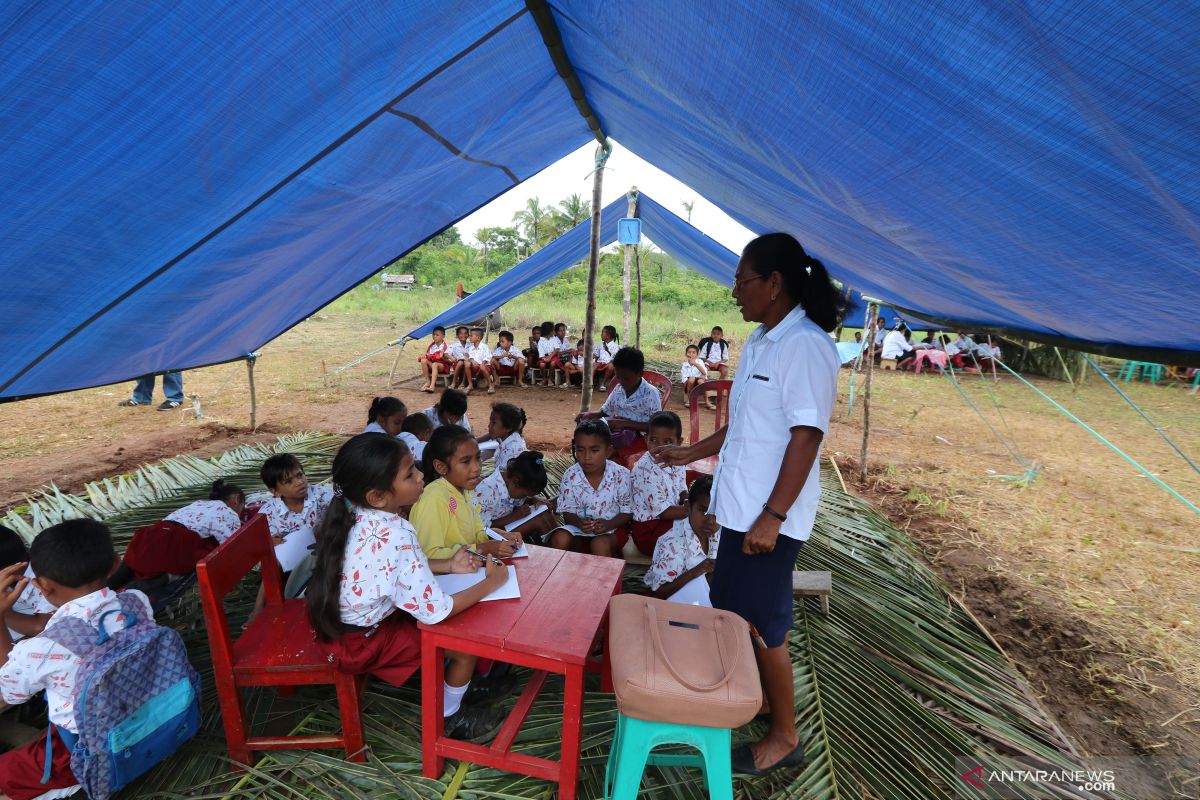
431,412
712,352
491,495
511,446
208,518
565,346
37,664
435,348
879,334
644,403
655,488
480,353
457,350
507,357
384,569
677,551
987,351
787,377
284,522
610,498
895,345
577,359
415,445
690,370
548,346
604,351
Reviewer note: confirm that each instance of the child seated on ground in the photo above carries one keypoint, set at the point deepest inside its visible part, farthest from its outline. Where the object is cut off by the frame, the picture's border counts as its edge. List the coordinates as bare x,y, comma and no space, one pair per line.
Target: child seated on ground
386,415
594,498
30,611
173,545
455,356
573,361
509,494
504,427
479,363
603,354
693,371
548,353
507,360
431,360
72,560
372,583
630,404
415,432
659,493
447,517
450,409
714,352
689,548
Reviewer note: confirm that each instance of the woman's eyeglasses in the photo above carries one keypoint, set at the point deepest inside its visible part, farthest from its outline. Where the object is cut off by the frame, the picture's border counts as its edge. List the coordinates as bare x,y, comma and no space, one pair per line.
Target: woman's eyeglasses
738,283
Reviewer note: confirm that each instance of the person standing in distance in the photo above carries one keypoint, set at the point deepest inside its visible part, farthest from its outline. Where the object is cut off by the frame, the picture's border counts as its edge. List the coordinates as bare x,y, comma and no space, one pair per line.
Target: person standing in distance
143,392
766,485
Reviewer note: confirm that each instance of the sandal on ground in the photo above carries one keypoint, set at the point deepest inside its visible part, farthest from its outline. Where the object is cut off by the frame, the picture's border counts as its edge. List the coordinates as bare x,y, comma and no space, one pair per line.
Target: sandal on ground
475,723
742,761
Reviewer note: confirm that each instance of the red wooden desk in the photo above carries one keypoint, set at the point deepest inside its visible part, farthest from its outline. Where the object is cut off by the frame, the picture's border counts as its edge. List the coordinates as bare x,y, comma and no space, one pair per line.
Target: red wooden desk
551,628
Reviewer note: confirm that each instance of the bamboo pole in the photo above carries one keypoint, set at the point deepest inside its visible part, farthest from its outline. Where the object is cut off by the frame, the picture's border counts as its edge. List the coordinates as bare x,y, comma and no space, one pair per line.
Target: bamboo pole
250,359
862,457
637,265
631,211
395,363
602,153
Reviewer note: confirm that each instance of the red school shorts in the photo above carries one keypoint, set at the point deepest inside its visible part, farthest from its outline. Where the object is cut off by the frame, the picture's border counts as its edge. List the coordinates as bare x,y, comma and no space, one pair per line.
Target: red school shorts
166,547
21,769
506,370
391,651
646,534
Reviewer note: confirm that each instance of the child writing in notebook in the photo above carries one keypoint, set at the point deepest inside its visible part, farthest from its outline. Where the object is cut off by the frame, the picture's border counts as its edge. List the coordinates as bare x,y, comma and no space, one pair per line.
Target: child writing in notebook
447,517
386,415
431,360
688,550
594,498
510,494
659,492
504,427
371,582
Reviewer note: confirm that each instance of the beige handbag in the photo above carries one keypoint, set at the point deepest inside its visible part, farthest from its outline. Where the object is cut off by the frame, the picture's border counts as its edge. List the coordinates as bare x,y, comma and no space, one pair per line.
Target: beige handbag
681,663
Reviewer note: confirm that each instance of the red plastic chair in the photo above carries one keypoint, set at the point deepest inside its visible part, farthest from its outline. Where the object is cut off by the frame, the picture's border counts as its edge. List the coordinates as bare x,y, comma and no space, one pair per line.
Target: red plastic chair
706,466
661,382
278,648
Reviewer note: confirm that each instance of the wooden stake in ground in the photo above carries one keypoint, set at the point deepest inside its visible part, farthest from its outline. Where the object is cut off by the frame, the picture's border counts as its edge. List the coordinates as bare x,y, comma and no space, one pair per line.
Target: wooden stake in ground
637,265
602,153
627,269
250,359
873,312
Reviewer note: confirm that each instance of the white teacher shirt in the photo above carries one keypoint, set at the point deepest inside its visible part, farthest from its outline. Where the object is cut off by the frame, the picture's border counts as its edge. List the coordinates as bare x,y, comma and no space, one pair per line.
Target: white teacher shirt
786,378
895,345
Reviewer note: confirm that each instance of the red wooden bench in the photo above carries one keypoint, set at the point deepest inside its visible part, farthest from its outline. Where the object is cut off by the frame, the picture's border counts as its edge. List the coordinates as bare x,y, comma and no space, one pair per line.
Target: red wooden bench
277,649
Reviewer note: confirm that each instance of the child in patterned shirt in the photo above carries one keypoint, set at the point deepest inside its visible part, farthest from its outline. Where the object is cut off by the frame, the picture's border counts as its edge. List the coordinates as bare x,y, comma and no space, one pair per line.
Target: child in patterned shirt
371,583
504,427
508,494
30,611
594,498
659,493
689,548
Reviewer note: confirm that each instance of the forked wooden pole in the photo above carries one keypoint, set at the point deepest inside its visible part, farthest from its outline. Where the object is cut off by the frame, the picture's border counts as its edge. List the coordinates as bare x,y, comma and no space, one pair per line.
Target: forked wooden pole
862,456
250,359
602,153
637,265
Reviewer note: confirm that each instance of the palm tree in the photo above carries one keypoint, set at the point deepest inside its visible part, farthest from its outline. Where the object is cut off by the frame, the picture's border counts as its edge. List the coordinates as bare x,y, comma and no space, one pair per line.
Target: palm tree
688,205
573,211
531,220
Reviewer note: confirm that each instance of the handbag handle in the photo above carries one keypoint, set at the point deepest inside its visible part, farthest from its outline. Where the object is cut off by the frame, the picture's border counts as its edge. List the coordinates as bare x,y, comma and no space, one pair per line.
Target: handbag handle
652,618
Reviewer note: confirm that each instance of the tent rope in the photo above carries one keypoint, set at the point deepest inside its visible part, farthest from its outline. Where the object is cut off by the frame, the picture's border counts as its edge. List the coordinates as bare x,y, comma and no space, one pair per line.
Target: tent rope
1016,457
360,359
1141,413
1104,441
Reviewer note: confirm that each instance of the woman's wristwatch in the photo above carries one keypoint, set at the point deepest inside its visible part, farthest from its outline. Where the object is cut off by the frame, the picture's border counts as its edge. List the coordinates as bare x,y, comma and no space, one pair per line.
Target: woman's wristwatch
768,510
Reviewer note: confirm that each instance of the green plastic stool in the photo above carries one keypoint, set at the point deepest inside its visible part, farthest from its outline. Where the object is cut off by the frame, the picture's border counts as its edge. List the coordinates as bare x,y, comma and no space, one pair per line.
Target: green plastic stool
1127,370
635,738
1153,372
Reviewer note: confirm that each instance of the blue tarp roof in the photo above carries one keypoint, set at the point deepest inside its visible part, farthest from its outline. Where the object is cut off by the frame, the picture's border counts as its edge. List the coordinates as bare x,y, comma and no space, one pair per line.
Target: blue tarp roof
180,185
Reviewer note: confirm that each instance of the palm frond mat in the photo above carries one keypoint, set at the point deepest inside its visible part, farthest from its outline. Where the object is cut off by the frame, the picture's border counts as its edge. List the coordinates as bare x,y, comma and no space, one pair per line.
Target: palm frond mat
896,689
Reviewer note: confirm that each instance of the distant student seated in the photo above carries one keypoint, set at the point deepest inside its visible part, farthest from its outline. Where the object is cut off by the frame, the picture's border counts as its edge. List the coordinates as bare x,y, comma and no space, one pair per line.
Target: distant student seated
659,492
455,356
372,583
509,494
692,372
72,561
431,361
594,498
507,360
386,415
548,353
173,545
504,427
450,409
30,611
415,432
688,550
714,352
896,346
630,404
573,364
447,517
532,353
603,354
479,363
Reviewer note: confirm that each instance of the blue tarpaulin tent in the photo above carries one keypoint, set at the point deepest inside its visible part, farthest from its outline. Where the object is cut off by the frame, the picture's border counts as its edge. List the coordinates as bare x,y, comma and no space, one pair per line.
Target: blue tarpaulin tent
180,185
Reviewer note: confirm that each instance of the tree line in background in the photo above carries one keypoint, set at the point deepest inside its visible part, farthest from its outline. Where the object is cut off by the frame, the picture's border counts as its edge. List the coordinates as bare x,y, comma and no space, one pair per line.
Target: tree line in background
446,259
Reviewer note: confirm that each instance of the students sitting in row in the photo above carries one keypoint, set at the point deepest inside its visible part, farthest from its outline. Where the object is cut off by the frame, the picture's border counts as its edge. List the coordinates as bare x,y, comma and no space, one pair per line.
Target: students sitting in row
688,550
386,415
507,360
447,518
432,361
372,579
509,494
30,611
415,432
659,493
450,409
504,427
714,352
594,499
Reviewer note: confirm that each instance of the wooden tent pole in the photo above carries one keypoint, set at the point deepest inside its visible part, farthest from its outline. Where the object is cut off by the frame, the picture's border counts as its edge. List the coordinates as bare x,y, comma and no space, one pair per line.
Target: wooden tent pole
631,211
250,359
637,265
862,457
602,153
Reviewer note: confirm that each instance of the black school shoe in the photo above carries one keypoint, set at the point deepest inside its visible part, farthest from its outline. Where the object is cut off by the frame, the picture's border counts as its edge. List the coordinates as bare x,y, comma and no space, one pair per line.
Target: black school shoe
743,761
490,689
476,724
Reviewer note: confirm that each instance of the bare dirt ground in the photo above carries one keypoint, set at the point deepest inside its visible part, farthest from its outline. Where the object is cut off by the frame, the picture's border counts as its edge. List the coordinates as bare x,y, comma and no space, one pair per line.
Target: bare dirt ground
1086,577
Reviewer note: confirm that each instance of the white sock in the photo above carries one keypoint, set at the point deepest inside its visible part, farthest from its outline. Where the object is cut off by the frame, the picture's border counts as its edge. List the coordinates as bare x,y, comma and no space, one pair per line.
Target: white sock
452,699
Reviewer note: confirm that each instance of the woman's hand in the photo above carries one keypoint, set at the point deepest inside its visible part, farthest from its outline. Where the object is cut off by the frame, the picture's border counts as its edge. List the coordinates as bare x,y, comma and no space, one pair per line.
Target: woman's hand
673,455
761,536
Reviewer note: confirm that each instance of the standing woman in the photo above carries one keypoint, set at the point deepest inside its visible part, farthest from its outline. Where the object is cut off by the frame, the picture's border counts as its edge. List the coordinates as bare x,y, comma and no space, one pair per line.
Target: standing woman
766,485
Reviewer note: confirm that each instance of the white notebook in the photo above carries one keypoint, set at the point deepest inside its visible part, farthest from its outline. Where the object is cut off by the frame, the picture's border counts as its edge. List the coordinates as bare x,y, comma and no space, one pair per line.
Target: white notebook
693,593
453,584
520,552
294,548
533,512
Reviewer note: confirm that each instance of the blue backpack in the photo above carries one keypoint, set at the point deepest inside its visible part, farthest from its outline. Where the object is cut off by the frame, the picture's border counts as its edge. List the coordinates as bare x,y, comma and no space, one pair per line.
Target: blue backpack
136,699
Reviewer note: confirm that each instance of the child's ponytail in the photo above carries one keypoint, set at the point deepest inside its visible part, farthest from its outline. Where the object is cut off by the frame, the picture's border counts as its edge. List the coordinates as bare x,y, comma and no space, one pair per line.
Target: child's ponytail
225,491
511,416
385,407
529,471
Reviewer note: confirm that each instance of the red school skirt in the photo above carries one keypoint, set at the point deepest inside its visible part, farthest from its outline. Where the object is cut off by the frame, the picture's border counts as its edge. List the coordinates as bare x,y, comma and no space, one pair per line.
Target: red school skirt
390,651
166,547
21,769
646,534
